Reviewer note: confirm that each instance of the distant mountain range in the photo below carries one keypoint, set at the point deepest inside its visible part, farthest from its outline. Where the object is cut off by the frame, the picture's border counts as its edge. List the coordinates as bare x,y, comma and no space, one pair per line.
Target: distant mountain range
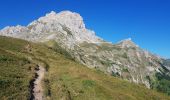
66,31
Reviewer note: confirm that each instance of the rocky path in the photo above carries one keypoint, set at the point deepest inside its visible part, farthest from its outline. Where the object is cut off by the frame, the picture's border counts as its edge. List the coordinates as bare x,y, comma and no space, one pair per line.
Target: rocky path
38,88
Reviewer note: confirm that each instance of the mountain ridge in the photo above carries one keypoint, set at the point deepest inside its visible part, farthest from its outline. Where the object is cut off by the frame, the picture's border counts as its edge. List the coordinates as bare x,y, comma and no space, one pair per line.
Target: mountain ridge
125,59
64,78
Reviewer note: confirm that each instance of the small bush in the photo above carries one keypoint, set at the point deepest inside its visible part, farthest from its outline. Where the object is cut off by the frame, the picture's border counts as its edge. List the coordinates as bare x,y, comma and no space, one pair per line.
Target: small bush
115,74
162,83
3,58
125,55
125,70
88,83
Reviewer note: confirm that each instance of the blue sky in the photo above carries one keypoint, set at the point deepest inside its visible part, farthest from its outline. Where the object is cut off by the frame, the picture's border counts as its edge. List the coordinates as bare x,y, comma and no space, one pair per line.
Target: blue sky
147,22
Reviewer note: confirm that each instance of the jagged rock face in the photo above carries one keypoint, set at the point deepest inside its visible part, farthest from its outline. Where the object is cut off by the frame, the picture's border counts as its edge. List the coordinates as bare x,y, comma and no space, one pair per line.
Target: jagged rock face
127,43
15,31
66,28
128,62
124,59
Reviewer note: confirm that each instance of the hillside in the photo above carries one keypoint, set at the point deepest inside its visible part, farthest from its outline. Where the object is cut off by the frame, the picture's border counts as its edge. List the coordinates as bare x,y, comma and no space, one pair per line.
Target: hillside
64,78
167,62
66,32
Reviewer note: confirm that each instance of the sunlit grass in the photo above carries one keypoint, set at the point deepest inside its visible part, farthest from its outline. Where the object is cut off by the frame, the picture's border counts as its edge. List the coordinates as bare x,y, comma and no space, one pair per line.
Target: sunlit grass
65,79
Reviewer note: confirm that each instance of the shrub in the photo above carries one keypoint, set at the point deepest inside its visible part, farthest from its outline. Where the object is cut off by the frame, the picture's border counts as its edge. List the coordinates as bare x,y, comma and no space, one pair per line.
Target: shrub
88,83
162,83
5,58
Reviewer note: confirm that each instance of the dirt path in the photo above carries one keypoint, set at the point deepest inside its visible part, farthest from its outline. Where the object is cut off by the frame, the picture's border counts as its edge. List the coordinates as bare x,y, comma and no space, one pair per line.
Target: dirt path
38,88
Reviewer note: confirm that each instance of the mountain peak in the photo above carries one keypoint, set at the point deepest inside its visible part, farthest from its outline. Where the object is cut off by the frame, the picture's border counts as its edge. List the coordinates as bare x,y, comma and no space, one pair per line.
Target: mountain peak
52,13
66,24
69,19
127,40
127,43
66,13
69,13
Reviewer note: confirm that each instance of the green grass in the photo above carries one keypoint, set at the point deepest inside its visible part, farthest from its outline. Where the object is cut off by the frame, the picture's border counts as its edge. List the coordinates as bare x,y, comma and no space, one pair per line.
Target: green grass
65,78
15,75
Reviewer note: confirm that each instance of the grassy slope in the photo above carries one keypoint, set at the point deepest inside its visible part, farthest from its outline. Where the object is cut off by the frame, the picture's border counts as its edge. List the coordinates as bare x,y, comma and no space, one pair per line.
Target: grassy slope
65,79
15,71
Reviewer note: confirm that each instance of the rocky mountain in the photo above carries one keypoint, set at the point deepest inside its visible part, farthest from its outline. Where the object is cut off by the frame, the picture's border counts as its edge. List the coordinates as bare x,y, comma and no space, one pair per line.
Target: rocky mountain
166,63
33,71
125,60
67,30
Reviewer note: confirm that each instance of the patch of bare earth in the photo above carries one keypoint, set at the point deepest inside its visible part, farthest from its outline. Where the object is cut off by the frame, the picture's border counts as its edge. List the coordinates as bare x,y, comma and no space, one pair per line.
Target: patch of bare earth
38,87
